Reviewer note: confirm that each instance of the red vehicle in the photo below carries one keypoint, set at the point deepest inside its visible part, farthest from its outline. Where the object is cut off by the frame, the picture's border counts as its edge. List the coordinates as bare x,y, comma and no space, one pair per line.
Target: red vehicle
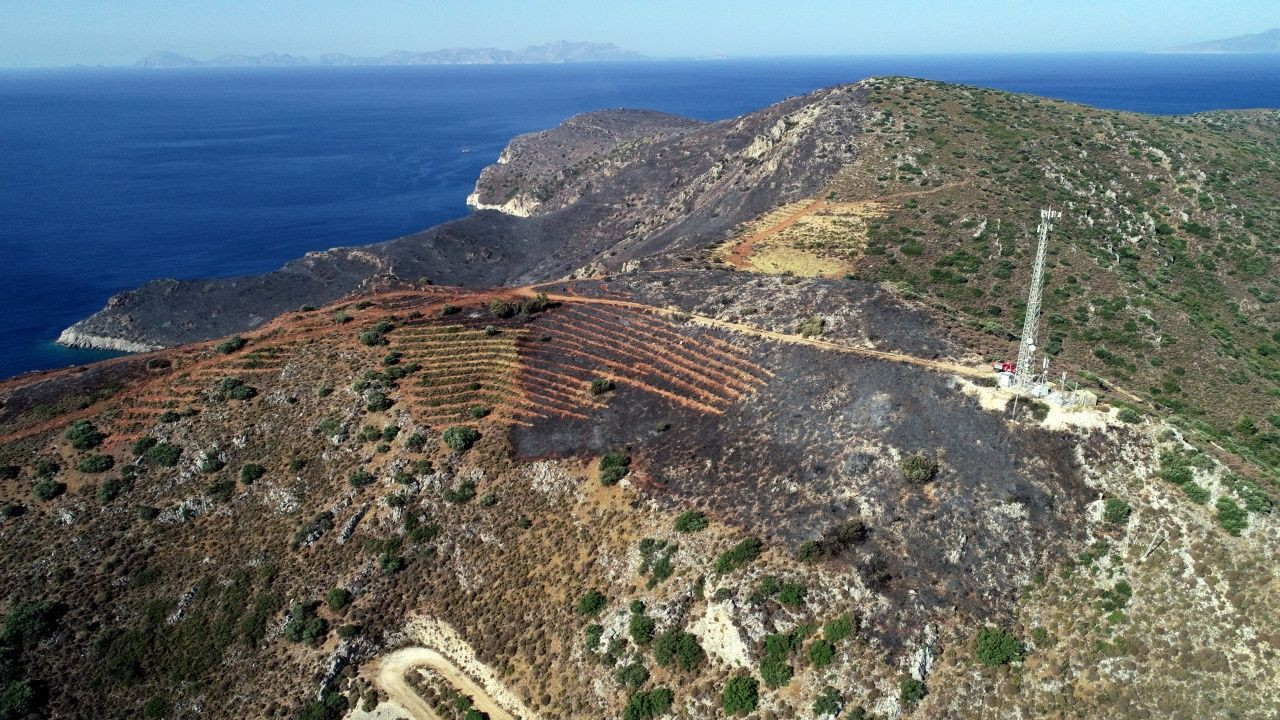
1004,366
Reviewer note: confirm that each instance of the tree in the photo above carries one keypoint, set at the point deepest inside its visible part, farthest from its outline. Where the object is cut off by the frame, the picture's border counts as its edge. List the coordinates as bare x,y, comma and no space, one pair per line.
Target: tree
613,467
997,647
337,598
48,489
17,699
740,695
828,703
911,691
304,626
251,472
163,454
641,628
821,653
94,464
460,438
592,603
84,435
231,344
646,705
679,647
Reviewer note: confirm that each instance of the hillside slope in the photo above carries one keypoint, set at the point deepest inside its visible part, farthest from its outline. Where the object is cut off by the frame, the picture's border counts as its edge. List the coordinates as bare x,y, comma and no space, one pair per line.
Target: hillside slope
707,431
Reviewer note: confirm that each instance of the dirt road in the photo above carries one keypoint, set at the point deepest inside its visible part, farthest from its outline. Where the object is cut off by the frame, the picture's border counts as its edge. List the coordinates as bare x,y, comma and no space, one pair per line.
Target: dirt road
939,365
390,678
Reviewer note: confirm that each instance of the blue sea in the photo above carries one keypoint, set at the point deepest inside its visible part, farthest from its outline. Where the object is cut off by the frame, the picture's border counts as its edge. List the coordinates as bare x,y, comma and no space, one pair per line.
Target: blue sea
112,177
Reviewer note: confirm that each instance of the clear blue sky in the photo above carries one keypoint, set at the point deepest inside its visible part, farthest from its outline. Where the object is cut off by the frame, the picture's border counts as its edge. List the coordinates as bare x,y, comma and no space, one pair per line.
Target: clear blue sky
116,32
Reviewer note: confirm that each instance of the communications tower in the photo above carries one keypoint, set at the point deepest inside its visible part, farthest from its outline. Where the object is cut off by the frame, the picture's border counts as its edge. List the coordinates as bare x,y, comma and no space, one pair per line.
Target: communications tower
1024,372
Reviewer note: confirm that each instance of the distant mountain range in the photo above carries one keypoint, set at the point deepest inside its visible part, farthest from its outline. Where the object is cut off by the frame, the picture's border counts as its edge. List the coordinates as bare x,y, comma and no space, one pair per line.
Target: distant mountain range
556,52
1263,42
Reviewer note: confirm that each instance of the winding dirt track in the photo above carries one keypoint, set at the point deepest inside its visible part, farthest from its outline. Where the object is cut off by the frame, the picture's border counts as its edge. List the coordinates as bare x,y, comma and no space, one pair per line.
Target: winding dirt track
390,678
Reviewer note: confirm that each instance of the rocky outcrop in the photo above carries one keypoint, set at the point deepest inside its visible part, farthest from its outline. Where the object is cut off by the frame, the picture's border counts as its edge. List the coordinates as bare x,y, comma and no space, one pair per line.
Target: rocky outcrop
537,172
604,189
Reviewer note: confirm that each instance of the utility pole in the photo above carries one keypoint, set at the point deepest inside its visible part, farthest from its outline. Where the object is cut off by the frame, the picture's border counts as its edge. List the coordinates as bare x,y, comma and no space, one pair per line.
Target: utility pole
1025,372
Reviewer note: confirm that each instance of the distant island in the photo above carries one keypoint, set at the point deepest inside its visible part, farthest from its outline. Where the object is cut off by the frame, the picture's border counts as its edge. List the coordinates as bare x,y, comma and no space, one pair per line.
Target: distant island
555,52
1263,42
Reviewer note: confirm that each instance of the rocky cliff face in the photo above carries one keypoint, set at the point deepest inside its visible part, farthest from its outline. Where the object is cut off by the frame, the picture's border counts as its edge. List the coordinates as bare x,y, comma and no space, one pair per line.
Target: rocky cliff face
602,189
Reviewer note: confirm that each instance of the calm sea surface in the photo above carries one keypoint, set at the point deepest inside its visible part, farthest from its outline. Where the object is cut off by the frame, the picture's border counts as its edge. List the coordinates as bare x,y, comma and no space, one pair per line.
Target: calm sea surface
109,178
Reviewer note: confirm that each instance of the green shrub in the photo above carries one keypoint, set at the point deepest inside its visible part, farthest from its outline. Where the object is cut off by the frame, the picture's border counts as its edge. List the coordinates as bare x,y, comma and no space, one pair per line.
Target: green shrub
1116,511
1250,492
221,490
918,468
155,707
691,521
304,626
1233,518
600,386
460,438
163,454
415,442
211,463
1115,598
633,674
594,633
646,705
234,389
48,489
448,309
821,653
776,672
740,695
840,628
641,628
251,473
480,411
613,467
27,623
17,699
1197,494
828,703
997,647
84,435
148,513
390,563
372,338
337,598
110,489
359,478
792,594
144,444
739,555
96,464
501,308
911,691
1129,415
592,603
377,401
231,344
678,647
463,493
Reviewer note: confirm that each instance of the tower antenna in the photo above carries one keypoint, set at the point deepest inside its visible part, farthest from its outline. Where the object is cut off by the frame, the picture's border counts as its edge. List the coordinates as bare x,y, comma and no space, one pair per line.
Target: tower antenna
1024,374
